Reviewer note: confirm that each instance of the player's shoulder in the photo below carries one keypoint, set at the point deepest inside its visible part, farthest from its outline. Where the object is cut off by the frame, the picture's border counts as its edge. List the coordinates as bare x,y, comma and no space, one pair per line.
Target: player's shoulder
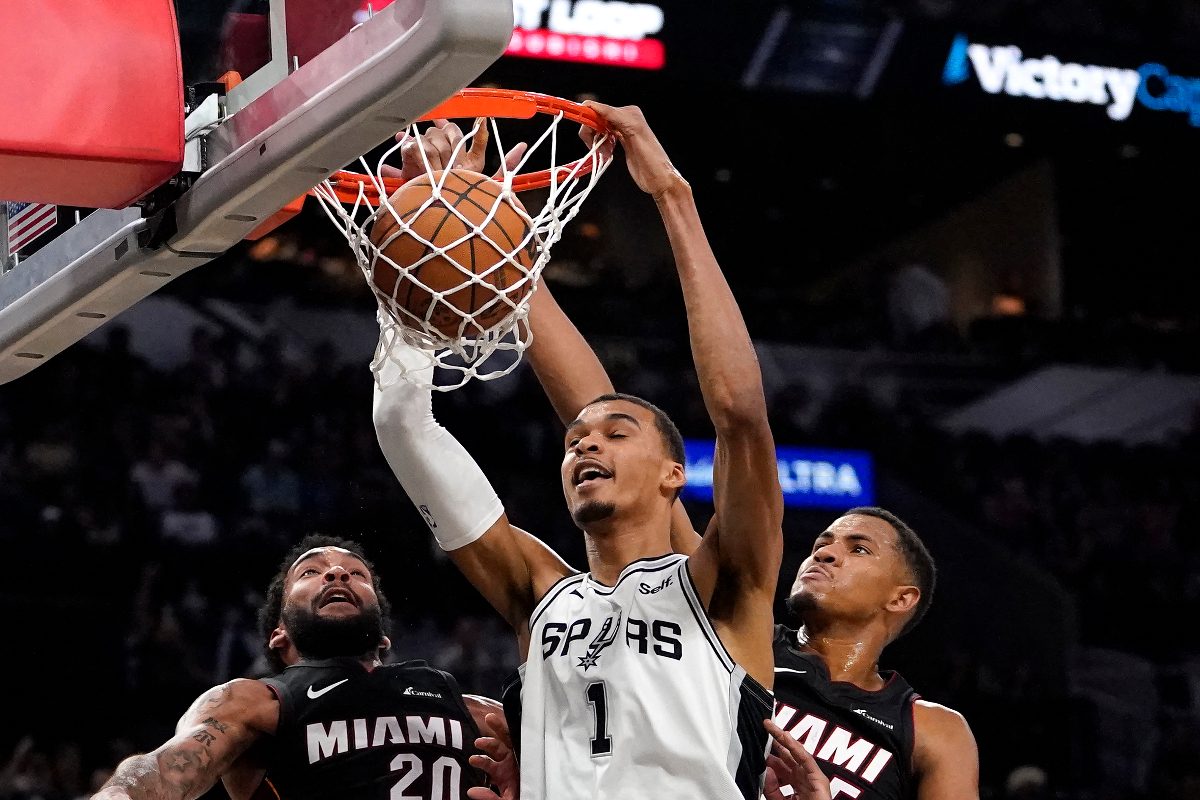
414,669
940,731
480,707
408,665
239,691
242,700
944,749
936,715
417,673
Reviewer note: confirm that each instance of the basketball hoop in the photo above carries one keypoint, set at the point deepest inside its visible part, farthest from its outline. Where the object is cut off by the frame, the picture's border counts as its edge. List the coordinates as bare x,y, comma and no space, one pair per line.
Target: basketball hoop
465,342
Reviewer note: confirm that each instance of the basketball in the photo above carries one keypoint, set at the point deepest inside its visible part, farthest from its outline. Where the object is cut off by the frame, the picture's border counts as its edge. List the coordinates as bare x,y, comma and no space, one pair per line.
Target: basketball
470,250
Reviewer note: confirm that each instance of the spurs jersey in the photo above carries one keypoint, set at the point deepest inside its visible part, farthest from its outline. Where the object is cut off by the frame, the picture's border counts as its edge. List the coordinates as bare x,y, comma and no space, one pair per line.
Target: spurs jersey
628,693
862,740
399,730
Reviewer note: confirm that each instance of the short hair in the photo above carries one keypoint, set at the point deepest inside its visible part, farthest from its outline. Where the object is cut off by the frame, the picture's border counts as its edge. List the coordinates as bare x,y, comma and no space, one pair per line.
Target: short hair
916,557
671,437
272,608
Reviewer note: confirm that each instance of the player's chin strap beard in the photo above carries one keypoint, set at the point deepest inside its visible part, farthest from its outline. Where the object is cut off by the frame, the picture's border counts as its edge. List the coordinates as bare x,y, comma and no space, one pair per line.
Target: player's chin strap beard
593,511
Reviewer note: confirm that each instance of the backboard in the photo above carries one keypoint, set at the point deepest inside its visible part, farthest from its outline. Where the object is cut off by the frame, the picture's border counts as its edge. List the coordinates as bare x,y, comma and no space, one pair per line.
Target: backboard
262,40
322,82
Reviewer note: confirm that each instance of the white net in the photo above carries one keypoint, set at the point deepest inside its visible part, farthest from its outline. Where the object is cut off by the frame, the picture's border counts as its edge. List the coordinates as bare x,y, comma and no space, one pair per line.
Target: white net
463,301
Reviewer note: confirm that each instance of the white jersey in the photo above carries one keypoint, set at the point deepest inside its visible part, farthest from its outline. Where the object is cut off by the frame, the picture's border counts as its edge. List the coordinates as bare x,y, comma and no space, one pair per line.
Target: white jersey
628,693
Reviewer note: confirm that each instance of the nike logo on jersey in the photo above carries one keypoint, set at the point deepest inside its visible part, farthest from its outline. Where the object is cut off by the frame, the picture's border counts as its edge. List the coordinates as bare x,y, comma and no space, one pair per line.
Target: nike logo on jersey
314,695
787,669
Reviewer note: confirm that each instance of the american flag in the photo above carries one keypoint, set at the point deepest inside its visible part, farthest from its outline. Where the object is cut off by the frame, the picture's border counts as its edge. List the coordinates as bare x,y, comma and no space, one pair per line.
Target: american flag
28,221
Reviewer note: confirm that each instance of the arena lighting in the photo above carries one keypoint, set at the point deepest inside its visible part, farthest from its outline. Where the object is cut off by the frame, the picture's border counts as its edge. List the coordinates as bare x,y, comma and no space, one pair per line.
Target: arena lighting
1006,69
606,32
809,477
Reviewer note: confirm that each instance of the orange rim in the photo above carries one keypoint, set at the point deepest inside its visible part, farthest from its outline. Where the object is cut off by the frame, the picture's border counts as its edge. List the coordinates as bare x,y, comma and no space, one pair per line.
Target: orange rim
501,103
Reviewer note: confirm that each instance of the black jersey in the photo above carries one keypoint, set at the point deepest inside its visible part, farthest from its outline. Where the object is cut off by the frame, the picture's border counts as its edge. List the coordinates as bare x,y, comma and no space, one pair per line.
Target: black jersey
397,731
862,740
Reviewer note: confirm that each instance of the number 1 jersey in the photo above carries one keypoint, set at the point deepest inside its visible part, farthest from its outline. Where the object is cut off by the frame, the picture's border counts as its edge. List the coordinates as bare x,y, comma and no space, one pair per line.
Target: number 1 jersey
628,693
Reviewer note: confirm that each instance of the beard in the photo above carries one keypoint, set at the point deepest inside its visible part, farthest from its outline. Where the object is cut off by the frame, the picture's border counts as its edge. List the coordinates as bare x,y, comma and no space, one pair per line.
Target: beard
320,637
593,511
799,605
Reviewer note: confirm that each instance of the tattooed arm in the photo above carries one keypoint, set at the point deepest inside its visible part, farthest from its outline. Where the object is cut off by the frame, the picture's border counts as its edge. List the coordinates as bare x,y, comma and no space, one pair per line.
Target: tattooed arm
219,727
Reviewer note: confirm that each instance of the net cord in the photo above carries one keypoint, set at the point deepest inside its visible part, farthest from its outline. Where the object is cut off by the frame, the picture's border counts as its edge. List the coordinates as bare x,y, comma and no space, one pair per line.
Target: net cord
466,355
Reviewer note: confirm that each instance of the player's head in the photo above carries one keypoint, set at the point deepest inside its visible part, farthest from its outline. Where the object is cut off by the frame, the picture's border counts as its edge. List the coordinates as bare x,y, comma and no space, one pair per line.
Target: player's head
867,566
326,601
623,455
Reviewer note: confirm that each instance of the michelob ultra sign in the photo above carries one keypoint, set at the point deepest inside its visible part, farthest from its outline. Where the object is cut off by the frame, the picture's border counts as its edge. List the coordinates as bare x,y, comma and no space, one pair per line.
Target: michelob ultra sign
809,477
1006,69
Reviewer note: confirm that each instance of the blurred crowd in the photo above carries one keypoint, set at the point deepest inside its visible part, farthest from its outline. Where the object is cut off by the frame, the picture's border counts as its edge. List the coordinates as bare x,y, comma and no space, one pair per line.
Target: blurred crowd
151,508
1118,526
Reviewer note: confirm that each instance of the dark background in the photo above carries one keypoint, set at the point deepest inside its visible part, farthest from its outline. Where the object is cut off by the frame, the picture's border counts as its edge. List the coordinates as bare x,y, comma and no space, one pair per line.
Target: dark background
146,500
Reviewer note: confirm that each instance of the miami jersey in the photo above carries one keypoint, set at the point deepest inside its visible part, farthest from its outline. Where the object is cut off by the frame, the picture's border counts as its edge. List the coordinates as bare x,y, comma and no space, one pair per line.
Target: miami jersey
346,732
628,693
862,740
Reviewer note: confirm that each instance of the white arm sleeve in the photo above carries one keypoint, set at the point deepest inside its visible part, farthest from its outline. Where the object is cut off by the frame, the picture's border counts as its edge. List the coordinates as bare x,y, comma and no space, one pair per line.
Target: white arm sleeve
438,474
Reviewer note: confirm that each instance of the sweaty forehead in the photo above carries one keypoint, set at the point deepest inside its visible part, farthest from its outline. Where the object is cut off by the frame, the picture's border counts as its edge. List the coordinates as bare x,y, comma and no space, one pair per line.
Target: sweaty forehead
880,530
326,554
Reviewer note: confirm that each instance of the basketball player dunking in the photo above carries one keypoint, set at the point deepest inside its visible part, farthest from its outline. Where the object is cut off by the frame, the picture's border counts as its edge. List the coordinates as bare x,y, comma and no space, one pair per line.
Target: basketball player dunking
868,581
646,676
844,729
335,721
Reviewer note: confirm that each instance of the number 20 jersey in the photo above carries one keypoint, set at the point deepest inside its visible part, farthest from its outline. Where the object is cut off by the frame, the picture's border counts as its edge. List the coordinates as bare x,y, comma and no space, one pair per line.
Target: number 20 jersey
396,731
628,693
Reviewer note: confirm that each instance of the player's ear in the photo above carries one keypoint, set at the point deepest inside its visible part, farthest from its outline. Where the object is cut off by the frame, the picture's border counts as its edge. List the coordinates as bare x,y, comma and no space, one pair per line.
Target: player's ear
675,478
904,599
278,640
385,644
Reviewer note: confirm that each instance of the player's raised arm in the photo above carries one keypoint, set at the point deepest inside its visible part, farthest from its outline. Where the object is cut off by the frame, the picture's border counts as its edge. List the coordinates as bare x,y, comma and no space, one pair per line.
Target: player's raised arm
508,567
220,726
565,364
735,570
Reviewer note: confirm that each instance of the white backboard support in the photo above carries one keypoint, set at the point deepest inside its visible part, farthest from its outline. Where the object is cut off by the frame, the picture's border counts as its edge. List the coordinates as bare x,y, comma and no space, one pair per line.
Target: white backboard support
296,131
